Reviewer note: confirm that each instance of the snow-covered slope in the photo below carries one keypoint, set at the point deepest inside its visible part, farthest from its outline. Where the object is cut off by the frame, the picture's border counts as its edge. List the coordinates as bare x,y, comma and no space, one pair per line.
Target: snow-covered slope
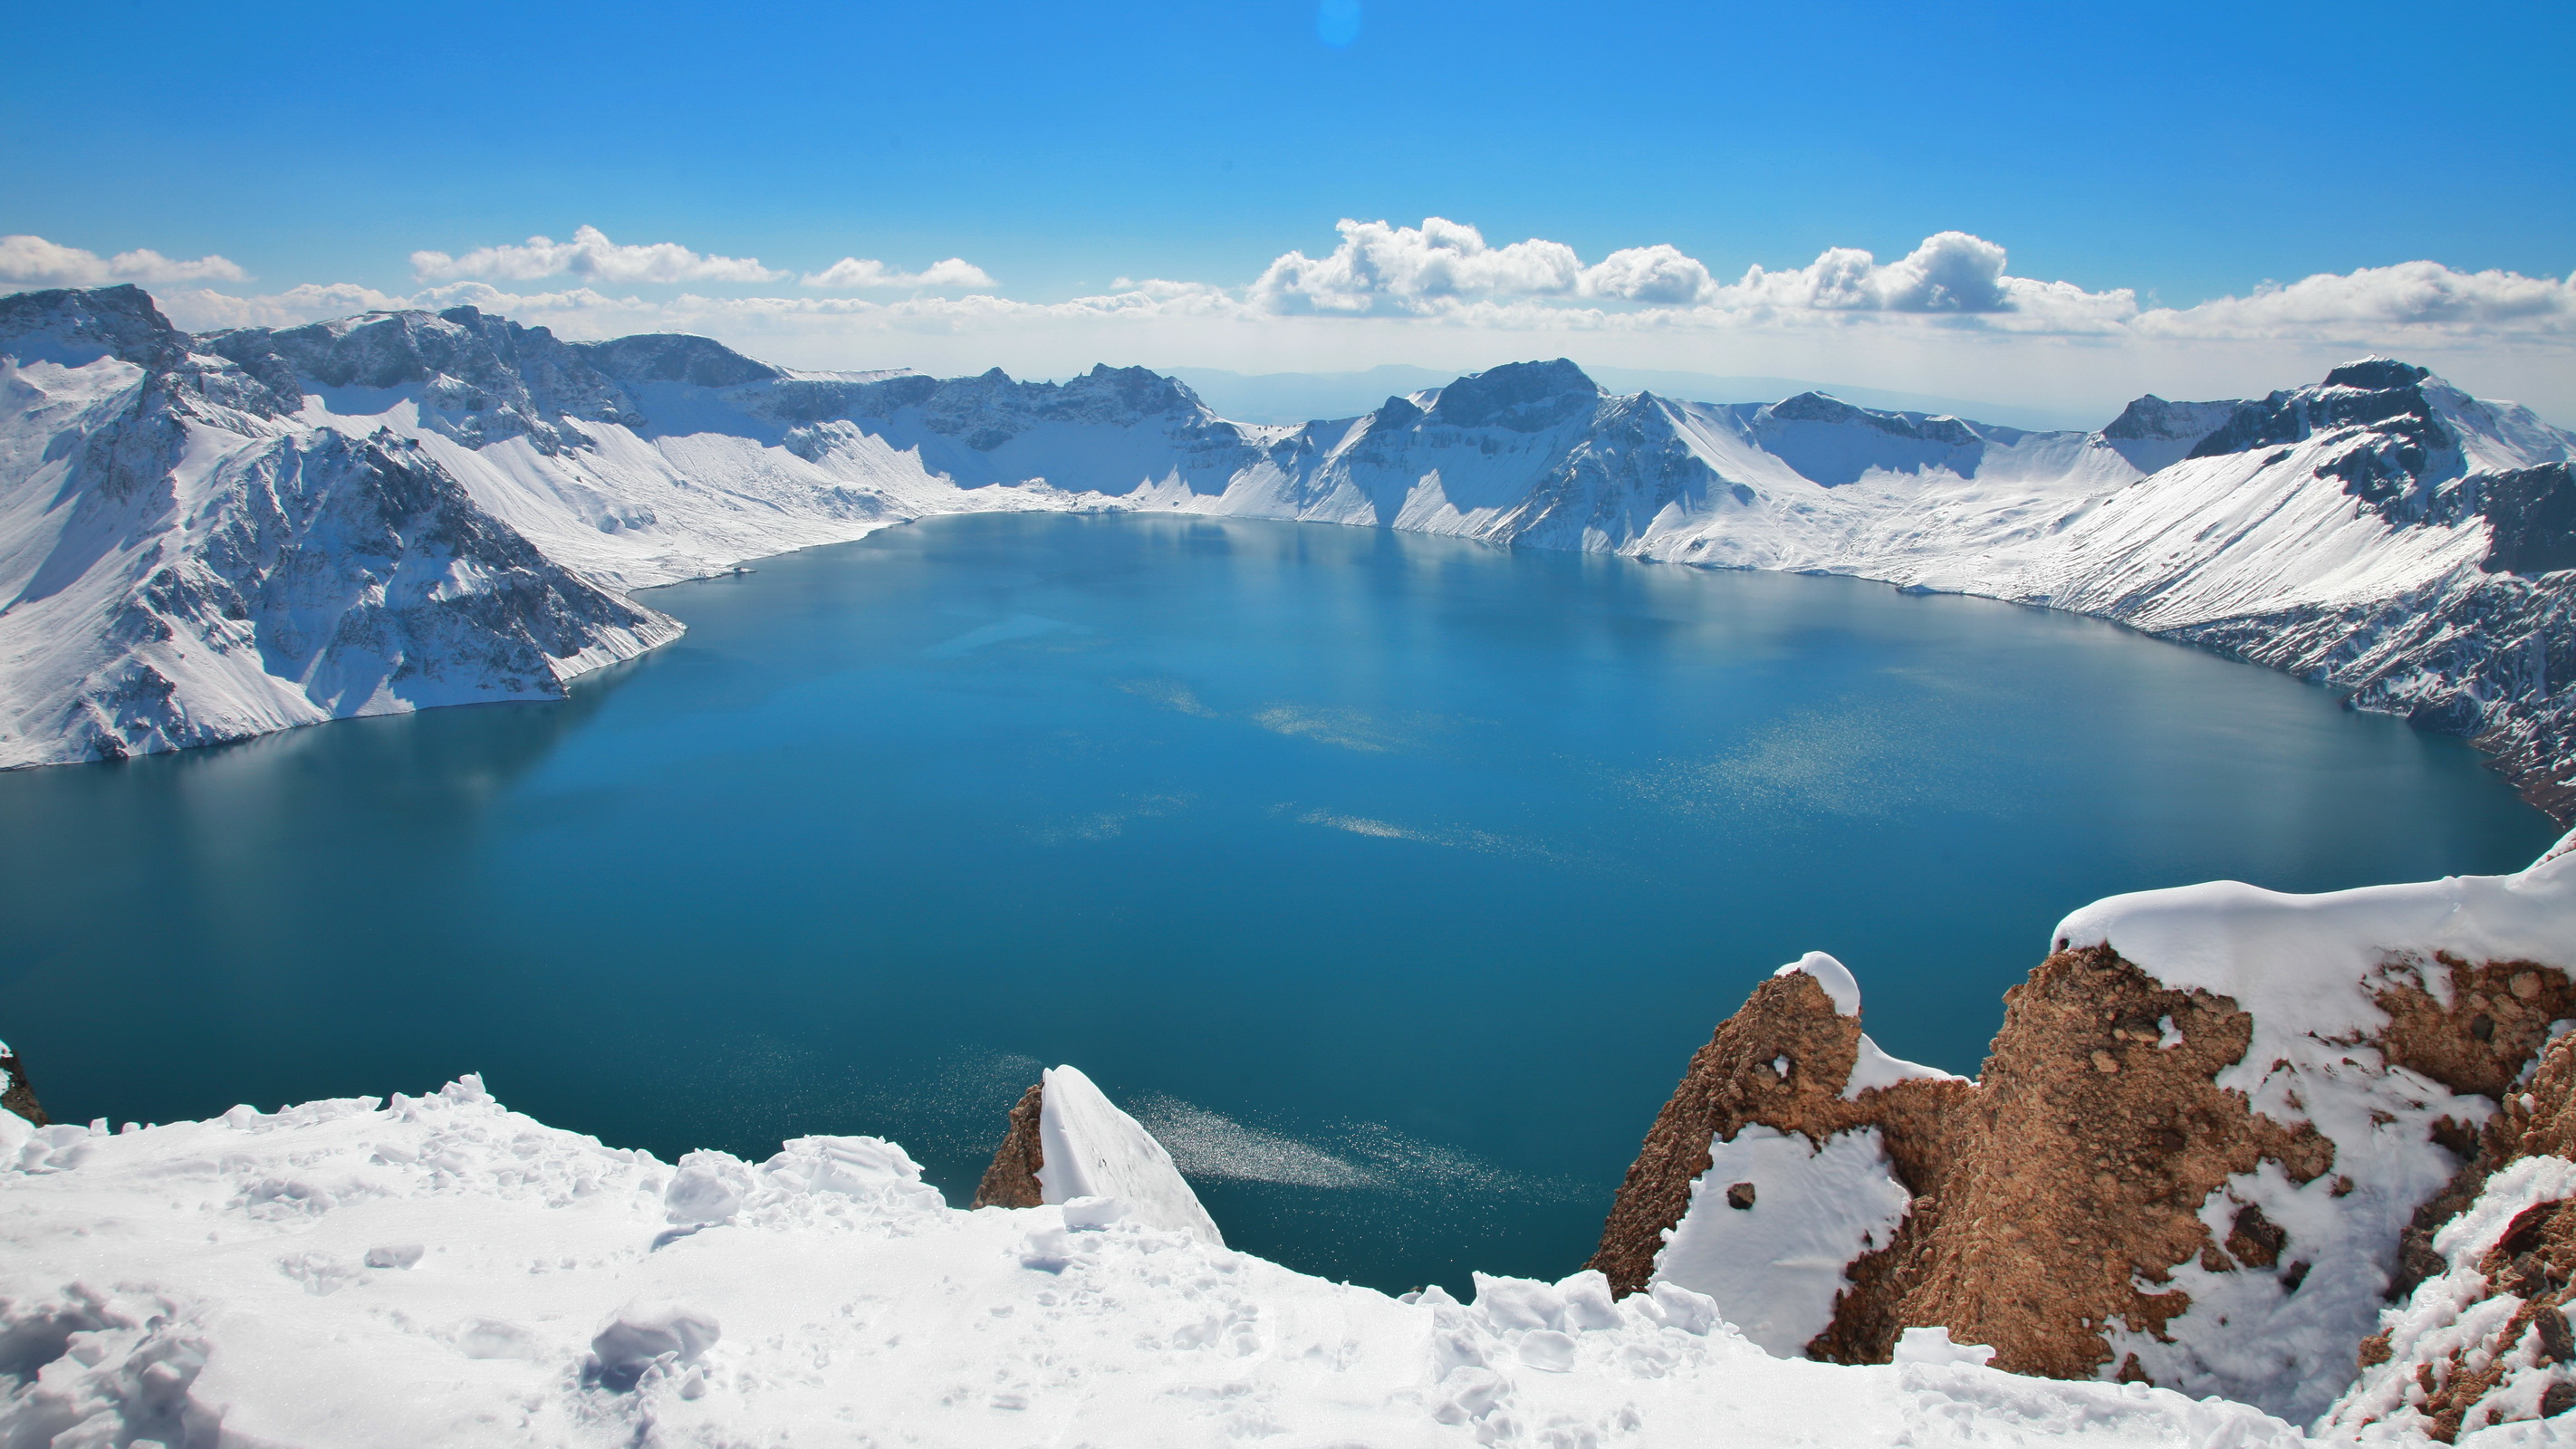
438,1271
182,562
2380,531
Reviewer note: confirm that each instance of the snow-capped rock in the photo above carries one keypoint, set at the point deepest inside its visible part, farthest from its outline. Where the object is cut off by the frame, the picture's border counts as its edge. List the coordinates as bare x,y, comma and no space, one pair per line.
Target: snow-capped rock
1068,1143
2211,1142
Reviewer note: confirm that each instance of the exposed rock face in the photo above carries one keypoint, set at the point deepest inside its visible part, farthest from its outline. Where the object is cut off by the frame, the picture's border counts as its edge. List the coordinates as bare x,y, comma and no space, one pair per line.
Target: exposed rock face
1733,1083
2095,1150
15,1094
1012,1180
2128,1190
2153,433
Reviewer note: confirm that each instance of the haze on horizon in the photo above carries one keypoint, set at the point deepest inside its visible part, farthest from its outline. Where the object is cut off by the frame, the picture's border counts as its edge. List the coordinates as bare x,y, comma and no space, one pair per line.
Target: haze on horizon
2042,205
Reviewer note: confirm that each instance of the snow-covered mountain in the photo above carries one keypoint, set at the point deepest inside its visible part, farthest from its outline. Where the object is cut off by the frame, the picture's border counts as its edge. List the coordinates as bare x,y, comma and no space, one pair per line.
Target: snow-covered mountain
206,537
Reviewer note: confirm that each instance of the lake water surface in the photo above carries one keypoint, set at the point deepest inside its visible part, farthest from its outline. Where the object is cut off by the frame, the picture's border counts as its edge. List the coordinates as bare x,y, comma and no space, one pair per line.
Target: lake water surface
1392,879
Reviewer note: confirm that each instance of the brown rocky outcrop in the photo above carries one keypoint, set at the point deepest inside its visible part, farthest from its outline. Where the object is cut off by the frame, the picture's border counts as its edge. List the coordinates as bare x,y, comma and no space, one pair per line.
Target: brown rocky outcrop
1012,1180
2061,1191
1734,1082
15,1094
2096,1148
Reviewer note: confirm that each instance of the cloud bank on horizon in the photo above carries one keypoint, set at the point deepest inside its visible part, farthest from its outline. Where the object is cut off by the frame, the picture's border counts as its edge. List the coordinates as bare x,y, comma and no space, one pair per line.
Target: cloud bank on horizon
1952,292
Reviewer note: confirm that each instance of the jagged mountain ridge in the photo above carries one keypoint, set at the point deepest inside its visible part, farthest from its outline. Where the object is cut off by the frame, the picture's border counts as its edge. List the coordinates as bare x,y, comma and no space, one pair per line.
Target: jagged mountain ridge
2379,531
185,565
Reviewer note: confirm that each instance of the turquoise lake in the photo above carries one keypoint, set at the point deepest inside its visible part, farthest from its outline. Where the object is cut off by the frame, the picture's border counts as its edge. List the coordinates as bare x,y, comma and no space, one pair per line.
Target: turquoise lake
1392,879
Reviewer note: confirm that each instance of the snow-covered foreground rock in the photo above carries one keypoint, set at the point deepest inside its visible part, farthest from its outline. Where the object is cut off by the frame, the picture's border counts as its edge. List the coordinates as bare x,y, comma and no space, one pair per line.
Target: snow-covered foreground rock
441,1271
2216,1140
206,537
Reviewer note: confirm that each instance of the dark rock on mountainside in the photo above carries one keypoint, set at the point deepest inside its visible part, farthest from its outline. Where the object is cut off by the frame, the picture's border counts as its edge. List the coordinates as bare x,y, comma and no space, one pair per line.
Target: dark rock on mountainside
2153,433
16,1094
120,322
990,410
674,357
2533,514
2387,397
1012,1180
483,379
1817,407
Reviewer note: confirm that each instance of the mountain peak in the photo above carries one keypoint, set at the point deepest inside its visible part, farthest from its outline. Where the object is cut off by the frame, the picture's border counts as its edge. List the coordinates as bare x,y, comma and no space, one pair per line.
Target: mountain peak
2378,393
1522,396
2377,374
119,321
1822,407
673,357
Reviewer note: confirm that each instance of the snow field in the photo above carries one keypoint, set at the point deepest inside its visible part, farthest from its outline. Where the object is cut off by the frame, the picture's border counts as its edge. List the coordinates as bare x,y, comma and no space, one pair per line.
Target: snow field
441,1271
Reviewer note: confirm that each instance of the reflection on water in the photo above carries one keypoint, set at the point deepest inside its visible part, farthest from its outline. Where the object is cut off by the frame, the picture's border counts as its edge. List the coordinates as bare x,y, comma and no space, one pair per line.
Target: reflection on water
1391,879
1857,758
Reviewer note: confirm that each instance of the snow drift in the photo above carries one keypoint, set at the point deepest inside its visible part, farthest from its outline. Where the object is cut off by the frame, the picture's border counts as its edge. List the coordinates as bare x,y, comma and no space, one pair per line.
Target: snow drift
440,1271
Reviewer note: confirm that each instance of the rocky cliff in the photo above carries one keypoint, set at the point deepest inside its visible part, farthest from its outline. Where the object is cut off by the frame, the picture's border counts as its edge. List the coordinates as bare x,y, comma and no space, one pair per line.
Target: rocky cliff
17,1096
2215,1139
2482,1336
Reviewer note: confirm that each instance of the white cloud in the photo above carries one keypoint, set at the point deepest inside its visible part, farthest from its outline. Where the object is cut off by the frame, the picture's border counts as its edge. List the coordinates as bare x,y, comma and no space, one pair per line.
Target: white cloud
1424,269
1659,273
1447,269
202,309
857,273
2409,298
591,256
35,262
1938,319
1160,290
1952,272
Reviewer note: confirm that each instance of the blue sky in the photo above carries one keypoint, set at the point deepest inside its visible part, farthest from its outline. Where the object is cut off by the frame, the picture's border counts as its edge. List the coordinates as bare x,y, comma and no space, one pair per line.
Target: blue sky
2186,153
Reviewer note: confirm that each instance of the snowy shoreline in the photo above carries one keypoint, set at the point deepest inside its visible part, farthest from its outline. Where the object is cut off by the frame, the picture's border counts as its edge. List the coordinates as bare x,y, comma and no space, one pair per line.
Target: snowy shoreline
212,537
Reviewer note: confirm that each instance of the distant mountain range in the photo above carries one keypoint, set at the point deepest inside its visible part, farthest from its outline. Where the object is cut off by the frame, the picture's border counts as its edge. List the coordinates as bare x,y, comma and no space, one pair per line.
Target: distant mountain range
206,537
1296,397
